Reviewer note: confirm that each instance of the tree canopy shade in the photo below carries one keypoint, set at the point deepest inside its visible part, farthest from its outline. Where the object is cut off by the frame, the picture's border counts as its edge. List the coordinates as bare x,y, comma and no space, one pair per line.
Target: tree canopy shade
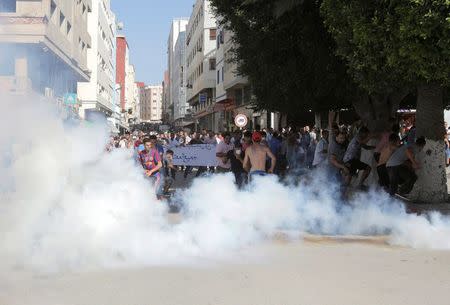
389,44
287,54
394,44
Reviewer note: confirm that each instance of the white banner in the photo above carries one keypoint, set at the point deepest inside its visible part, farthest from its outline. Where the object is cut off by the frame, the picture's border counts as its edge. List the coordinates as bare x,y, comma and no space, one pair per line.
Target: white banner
195,155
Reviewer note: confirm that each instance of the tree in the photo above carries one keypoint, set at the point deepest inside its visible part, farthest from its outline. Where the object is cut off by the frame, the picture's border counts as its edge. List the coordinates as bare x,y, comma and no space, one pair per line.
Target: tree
287,54
396,45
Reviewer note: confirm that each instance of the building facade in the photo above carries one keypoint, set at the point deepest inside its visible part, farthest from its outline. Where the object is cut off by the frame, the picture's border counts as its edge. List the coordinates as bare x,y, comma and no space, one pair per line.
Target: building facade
131,95
201,65
44,46
178,26
122,62
151,104
139,88
129,91
181,113
99,93
233,91
166,113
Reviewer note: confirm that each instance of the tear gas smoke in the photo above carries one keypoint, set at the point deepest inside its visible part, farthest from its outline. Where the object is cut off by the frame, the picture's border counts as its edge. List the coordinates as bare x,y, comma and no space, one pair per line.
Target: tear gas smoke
65,204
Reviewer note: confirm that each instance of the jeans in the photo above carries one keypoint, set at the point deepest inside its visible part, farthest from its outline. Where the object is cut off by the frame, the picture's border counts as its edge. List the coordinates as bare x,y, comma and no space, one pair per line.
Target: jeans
383,175
241,178
256,173
401,174
157,180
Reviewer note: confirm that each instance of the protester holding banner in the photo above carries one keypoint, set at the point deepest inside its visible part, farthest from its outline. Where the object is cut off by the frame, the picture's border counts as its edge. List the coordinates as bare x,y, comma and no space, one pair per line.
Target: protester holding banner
222,149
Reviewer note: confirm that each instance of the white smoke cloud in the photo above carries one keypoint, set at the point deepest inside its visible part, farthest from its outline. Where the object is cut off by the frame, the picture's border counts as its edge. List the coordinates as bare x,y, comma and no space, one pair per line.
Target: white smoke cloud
65,204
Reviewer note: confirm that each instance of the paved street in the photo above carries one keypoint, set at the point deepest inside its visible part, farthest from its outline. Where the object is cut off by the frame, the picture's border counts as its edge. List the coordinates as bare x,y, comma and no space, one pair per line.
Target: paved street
316,272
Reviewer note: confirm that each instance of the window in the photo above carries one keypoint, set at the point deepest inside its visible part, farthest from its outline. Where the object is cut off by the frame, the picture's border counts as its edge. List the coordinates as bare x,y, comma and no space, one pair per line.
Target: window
212,64
69,27
218,76
223,78
8,6
61,19
52,8
212,34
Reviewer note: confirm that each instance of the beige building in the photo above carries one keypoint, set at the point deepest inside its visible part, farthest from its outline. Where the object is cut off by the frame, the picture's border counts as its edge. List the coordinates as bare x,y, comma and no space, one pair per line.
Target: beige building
233,91
43,45
201,64
151,99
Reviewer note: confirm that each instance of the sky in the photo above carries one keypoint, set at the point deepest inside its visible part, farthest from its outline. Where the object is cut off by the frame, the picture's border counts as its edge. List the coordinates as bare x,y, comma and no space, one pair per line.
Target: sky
147,27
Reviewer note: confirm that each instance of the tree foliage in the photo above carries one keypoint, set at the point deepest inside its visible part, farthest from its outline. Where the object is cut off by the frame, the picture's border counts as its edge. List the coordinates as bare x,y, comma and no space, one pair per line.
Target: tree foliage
391,44
289,58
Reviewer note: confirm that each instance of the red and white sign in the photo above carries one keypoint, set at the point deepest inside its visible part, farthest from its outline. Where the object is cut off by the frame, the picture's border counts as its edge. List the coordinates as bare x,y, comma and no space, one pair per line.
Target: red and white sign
241,120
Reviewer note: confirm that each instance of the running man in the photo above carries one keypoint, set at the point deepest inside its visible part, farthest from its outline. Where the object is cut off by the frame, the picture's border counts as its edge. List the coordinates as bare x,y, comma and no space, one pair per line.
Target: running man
151,162
256,156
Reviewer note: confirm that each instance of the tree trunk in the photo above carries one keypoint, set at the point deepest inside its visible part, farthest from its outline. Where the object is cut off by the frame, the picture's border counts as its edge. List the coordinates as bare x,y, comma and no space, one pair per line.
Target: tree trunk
318,120
376,110
432,183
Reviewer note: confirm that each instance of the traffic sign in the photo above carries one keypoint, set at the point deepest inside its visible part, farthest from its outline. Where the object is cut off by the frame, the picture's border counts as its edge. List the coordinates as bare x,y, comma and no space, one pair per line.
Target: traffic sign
241,120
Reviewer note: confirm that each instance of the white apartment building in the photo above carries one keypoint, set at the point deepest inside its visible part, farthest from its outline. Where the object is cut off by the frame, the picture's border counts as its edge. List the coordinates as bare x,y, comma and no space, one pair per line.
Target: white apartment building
201,64
131,94
137,98
44,45
99,94
178,26
180,105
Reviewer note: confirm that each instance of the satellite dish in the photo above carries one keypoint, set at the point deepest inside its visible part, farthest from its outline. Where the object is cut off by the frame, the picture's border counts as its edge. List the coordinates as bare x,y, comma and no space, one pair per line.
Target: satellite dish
120,26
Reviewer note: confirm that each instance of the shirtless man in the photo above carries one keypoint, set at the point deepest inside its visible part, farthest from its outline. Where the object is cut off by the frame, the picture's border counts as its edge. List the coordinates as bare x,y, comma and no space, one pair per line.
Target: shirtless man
256,155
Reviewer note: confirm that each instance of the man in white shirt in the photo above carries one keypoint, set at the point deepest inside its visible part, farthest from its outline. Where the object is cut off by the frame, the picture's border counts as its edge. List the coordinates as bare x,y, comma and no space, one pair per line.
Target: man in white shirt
172,141
224,164
321,152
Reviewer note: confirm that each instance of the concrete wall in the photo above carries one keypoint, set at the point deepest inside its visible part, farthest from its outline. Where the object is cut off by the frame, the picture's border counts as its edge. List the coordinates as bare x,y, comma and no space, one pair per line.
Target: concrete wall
49,34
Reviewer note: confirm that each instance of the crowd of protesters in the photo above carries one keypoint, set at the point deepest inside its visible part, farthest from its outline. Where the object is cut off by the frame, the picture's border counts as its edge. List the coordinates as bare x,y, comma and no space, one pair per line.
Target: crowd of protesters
292,151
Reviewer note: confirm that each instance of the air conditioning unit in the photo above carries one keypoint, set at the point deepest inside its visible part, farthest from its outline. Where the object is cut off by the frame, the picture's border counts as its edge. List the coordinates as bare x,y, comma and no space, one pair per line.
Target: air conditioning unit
48,92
